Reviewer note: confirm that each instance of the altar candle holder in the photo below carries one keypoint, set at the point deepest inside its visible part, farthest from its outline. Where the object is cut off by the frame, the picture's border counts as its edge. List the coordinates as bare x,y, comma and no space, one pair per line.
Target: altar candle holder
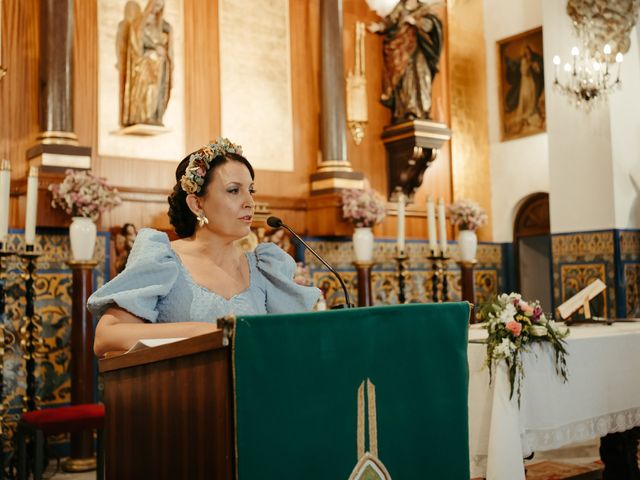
29,331
439,282
5,253
403,272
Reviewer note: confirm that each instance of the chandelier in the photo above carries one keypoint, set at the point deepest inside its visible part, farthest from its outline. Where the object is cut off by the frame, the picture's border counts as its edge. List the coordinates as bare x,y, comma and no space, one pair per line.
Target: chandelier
588,80
602,26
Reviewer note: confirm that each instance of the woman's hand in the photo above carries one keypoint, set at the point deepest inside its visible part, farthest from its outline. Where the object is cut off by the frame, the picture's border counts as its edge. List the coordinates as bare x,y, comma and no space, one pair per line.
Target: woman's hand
119,330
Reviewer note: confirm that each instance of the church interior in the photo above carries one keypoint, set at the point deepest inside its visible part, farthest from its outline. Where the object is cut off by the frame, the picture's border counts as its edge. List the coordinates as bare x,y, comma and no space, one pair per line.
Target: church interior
431,152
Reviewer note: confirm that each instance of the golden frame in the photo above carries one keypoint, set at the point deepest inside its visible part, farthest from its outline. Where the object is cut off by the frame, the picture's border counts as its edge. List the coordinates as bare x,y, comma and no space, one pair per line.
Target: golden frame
521,96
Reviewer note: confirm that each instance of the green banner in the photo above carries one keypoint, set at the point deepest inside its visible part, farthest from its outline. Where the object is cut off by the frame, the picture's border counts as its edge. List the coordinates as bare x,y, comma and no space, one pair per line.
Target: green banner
364,393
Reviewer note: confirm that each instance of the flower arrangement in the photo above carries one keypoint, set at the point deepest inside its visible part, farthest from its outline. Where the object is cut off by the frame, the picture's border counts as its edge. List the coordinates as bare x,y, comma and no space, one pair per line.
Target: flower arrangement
513,325
363,208
466,215
82,194
200,161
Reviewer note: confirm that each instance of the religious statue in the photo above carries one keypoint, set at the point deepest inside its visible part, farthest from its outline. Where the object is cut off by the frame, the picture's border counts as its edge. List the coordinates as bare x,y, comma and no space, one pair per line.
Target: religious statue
411,48
145,63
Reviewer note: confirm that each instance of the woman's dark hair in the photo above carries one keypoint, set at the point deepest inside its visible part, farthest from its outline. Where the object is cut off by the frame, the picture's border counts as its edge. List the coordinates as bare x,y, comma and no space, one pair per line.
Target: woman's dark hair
180,215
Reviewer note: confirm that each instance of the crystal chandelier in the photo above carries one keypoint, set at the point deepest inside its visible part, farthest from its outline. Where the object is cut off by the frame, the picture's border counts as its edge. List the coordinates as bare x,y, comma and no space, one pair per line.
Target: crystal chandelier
603,27
588,79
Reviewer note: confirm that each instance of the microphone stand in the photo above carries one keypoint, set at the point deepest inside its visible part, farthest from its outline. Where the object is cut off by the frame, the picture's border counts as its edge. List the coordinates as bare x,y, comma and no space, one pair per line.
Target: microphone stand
279,223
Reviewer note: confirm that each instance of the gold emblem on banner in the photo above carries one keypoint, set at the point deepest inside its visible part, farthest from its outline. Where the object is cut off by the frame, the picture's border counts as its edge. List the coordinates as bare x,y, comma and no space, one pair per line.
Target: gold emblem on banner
369,466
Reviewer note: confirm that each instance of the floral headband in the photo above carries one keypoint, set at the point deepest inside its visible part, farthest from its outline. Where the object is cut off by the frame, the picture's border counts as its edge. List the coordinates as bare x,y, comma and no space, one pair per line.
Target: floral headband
199,163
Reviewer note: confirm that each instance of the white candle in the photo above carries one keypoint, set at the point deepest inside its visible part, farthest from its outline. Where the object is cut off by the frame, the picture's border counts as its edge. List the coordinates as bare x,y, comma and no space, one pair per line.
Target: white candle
32,207
442,221
5,184
431,226
401,202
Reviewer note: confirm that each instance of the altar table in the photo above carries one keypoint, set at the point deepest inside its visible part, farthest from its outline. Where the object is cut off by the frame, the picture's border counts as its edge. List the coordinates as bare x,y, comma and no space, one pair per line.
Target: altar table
601,396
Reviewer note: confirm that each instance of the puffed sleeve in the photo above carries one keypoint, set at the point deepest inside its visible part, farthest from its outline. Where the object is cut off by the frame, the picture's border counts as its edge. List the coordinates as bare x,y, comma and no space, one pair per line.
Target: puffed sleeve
283,294
150,274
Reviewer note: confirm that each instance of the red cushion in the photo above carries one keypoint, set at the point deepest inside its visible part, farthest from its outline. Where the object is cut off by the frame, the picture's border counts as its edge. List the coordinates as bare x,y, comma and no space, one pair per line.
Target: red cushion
73,418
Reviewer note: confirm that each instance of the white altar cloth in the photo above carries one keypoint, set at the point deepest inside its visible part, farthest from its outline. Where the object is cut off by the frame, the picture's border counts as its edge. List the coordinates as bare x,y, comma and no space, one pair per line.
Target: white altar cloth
601,396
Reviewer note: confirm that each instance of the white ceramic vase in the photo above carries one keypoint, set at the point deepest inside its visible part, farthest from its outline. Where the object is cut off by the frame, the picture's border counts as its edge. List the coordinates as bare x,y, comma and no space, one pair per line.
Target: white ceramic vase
82,234
468,243
363,244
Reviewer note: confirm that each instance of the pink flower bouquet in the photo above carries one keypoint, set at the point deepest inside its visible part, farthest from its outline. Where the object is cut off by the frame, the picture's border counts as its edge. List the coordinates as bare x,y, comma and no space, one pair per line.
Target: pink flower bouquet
82,194
363,208
466,215
514,325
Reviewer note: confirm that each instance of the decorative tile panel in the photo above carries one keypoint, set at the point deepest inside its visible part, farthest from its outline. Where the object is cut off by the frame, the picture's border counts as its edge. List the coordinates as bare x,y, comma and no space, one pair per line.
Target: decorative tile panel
384,277
589,245
611,255
53,305
630,245
632,289
574,278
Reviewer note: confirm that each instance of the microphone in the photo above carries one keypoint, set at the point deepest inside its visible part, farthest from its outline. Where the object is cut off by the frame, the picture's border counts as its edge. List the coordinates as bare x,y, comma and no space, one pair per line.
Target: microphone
275,222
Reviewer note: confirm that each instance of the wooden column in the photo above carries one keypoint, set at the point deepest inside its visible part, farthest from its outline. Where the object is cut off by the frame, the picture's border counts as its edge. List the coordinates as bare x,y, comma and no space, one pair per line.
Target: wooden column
56,71
365,294
57,144
334,170
82,386
467,282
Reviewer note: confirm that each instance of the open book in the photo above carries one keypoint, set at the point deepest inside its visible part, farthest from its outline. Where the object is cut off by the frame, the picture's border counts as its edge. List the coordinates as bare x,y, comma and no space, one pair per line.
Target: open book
145,343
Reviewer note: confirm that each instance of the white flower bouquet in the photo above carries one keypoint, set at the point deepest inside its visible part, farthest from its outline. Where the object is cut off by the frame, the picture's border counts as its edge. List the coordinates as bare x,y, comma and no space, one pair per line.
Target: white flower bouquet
514,325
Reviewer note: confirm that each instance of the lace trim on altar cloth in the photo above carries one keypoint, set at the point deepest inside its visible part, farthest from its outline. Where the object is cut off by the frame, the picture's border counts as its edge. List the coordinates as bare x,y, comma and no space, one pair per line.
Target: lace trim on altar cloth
540,440
581,431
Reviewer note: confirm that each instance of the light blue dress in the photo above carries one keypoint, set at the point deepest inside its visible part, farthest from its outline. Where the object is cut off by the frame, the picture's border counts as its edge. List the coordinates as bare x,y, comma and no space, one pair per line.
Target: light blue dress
156,286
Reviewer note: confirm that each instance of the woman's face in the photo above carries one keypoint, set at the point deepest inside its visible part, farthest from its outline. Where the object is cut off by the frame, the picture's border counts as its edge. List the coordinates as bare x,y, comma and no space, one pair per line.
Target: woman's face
228,202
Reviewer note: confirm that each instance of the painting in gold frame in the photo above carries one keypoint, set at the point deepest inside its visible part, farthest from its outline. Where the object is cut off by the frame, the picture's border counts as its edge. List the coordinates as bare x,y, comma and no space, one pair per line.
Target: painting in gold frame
521,85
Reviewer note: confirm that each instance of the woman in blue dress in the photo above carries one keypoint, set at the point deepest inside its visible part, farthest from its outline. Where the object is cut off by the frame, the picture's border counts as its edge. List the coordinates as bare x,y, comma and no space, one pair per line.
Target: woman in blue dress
178,289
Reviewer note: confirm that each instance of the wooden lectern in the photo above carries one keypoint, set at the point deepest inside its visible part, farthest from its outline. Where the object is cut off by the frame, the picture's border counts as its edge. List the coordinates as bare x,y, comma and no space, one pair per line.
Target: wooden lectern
169,411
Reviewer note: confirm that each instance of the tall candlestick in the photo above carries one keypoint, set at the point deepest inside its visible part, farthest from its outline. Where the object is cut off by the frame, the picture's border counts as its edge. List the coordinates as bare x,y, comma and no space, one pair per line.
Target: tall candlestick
401,202
5,184
32,207
442,221
431,226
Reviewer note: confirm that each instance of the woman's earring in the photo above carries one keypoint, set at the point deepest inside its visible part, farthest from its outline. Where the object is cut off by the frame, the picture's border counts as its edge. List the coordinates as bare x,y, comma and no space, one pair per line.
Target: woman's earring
202,219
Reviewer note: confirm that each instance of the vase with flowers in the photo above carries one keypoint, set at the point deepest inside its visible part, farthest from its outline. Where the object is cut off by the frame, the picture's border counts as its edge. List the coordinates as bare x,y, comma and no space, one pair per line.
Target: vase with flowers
83,197
364,208
468,216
